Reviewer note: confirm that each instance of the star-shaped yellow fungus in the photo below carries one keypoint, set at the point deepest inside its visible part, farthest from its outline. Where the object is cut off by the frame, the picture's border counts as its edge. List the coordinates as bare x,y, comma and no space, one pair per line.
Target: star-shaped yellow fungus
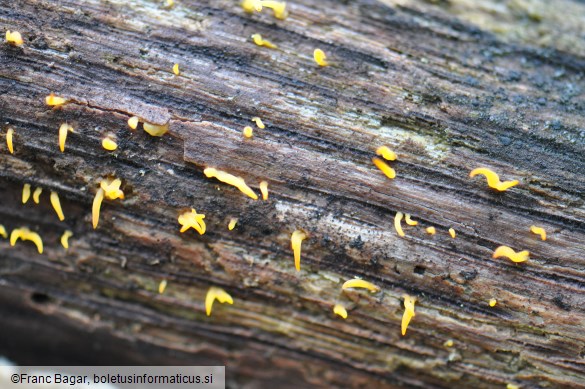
452,233
295,241
320,57
408,312
63,131
155,129
264,190
493,302
192,219
218,294
232,223
110,189
386,153
14,38
538,231
431,230
176,69
25,193
133,122
340,310
57,205
55,101
24,233
162,286
397,225
109,144
227,178
383,166
505,251
3,232
258,40
409,221
9,136
493,179
358,283
65,239
258,122
37,195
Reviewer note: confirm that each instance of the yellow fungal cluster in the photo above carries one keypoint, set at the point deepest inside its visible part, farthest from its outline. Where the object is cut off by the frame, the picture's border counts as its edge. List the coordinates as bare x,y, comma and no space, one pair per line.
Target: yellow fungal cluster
493,179
109,143
192,219
110,189
57,205
278,7
408,312
264,190
258,122
63,131
320,57
505,251
230,179
176,69
14,38
296,239
232,223
248,132
65,239
215,293
9,136
55,101
340,310
25,234
538,231
258,40
357,283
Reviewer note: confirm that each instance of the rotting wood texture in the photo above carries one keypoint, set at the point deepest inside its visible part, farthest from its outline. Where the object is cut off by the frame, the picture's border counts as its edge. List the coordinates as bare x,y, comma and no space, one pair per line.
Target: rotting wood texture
425,78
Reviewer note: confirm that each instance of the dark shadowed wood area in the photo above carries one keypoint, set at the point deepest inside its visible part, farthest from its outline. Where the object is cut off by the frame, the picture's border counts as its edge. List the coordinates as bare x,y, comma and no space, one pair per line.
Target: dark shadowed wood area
449,85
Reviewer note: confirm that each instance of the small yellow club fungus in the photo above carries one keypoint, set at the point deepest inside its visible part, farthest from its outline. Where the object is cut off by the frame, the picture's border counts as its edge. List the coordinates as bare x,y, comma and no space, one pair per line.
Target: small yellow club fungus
512,386
386,153
176,69
162,286
448,343
387,170
493,302
340,310
358,283
9,136
295,241
218,294
55,101
229,179
110,189
452,233
192,219
397,224
63,131
493,179
155,129
109,144
133,122
264,190
278,7
26,234
257,38
431,230
232,223
37,195
409,221
57,205
248,131
258,122
3,232
14,38
408,312
65,239
252,6
25,193
505,251
538,231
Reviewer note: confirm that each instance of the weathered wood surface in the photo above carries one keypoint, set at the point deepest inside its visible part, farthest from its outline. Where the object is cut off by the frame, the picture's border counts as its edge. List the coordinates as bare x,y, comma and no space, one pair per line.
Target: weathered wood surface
449,85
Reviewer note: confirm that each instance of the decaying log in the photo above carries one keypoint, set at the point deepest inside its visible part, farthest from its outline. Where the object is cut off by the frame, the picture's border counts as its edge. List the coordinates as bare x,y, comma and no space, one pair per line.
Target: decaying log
449,85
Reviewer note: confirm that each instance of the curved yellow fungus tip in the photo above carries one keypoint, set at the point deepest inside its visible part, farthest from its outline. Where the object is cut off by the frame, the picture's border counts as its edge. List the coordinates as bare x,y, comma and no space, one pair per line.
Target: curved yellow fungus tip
230,179
65,239
452,233
95,209
264,190
176,69
409,221
218,294
252,6
248,131
110,189
340,310
133,122
162,286
431,230
192,219
493,179
26,234
14,38
387,170
408,312
57,205
493,302
386,153
3,232
319,57
9,136
258,40
109,144
278,7
37,195
538,231
155,129
358,283
505,251
63,131
232,223
55,101
448,343
258,122
25,193
397,225
295,241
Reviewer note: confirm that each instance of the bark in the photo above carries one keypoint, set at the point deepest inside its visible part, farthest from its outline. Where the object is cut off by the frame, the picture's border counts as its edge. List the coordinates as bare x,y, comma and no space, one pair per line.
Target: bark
449,85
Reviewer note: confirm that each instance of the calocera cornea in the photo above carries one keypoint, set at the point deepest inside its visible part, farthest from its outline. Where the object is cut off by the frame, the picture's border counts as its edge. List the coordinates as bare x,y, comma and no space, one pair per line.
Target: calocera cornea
192,219
176,69
398,225
25,193
55,101
162,286
452,233
133,122
37,195
296,239
9,139
264,189
230,179
232,223
505,251
383,166
155,129
14,38
259,41
3,232
493,180
431,230
215,293
65,239
538,231
109,143
258,122
386,153
340,310
278,7
248,132
25,234
408,312
358,283
110,189
63,131
409,221
57,205
492,303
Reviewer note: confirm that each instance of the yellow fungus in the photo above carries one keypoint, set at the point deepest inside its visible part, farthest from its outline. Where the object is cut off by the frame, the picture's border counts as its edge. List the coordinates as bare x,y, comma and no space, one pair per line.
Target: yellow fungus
493,302
397,225
229,179
258,40
264,190
258,122
109,188
493,179
512,386
232,223
386,153
192,219
505,251
14,38
57,205
63,131
409,221
37,195
358,283
55,101
155,129
252,5
218,294
162,286
248,132
408,312
3,232
340,310
448,343
25,193
319,57
295,241
9,136
452,233
65,239
176,69
109,144
95,210
24,233
133,122
169,3
431,230
538,231
387,170
278,7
